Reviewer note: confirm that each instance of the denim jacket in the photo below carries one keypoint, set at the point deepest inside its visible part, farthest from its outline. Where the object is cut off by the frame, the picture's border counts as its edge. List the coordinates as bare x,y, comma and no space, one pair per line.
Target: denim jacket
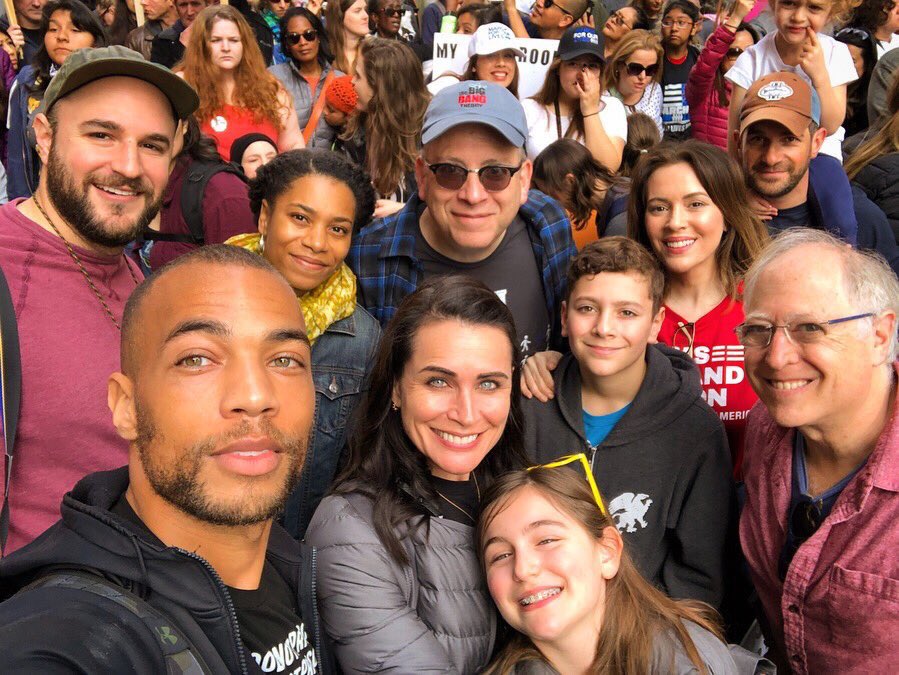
342,359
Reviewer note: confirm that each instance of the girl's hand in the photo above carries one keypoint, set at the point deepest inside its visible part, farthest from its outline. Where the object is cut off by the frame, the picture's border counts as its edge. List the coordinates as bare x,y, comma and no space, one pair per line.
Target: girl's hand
760,207
386,207
812,60
588,91
16,35
741,9
537,375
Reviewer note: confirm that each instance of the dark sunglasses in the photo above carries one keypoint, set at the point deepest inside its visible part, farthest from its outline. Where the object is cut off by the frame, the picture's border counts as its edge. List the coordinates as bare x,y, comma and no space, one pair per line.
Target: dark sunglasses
310,35
634,69
805,519
734,52
494,178
391,12
547,4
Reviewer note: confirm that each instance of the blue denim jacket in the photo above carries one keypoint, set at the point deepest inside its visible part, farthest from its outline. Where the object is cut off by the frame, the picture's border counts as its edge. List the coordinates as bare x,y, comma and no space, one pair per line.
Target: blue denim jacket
342,359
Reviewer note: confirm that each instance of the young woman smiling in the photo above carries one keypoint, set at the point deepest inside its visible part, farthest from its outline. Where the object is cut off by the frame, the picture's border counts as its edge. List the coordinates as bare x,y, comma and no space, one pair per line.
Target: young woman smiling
237,94
399,579
347,25
308,203
558,572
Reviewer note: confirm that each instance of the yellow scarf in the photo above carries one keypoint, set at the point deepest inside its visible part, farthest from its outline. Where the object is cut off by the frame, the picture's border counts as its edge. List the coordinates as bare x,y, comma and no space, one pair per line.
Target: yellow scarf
331,301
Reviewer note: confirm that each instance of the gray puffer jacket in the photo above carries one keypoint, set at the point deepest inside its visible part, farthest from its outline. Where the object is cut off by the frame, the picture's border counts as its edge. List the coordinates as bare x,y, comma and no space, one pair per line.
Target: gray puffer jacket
433,616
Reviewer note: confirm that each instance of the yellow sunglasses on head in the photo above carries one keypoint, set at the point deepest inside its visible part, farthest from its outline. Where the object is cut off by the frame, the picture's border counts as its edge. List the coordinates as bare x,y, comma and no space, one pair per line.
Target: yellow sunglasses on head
582,458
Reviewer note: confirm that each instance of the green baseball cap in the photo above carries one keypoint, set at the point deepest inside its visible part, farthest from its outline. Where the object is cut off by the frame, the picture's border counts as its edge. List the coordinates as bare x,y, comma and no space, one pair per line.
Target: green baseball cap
87,65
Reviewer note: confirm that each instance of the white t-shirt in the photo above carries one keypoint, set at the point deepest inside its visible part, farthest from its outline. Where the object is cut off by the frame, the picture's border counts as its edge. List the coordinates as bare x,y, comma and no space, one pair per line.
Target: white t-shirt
542,129
762,59
884,46
650,104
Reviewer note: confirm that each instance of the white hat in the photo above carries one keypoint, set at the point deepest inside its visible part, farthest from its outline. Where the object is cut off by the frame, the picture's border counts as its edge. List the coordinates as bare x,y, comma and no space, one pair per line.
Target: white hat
491,38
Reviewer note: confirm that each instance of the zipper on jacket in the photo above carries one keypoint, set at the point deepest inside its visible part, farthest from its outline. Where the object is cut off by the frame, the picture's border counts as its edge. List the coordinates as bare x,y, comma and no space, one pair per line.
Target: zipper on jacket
315,617
229,604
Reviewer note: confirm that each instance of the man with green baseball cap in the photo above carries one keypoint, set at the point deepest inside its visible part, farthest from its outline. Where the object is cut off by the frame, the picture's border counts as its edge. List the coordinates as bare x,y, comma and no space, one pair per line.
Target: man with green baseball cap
106,133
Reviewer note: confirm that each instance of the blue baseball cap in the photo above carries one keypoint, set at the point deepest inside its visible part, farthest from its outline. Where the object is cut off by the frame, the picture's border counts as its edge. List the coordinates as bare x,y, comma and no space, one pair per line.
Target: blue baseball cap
476,102
581,40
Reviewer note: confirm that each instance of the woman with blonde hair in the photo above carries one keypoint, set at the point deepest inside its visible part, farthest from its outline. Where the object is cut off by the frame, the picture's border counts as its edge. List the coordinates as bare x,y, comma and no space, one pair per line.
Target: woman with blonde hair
558,572
384,137
634,73
346,22
238,95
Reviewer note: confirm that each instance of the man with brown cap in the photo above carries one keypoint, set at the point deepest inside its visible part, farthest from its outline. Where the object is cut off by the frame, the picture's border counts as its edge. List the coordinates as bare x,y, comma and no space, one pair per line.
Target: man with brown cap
778,139
106,132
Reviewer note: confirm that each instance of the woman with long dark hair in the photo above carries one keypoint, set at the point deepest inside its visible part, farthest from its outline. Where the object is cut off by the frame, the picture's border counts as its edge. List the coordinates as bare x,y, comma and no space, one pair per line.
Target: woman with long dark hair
399,579
384,137
347,25
559,573
307,72
66,26
237,94
571,103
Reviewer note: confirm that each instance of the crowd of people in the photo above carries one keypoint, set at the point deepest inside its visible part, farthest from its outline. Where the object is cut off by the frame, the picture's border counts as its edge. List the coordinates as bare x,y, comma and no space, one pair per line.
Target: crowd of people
320,355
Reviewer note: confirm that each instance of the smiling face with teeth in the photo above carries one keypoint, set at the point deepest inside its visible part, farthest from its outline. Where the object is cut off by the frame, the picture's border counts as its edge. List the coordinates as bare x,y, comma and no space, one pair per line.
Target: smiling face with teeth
547,574
683,224
814,387
454,394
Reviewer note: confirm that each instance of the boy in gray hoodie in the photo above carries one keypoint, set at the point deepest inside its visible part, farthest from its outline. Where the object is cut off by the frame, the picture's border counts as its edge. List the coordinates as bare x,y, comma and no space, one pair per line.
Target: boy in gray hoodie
658,453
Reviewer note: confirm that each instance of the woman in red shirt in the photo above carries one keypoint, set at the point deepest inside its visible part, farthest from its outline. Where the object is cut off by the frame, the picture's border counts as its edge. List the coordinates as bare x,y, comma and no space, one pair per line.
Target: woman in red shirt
238,95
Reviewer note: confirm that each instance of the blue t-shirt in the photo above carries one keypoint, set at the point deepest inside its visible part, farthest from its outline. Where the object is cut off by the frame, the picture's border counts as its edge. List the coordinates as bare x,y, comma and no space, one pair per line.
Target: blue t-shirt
597,427
799,493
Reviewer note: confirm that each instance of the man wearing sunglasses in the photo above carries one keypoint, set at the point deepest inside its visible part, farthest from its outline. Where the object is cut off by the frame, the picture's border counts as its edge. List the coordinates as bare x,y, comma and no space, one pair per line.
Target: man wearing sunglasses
819,528
473,215
778,136
551,18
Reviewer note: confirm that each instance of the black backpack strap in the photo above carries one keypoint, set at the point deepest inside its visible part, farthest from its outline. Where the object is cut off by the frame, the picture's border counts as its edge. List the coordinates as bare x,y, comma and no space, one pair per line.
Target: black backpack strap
11,391
180,655
193,190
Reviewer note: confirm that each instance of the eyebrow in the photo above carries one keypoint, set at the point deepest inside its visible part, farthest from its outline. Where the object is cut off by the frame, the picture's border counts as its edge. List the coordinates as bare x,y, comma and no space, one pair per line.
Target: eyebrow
450,373
109,125
218,329
619,303
311,210
533,526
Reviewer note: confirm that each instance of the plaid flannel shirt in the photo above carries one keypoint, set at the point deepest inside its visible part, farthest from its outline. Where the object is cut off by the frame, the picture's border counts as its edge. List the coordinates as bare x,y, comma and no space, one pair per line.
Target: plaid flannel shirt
383,258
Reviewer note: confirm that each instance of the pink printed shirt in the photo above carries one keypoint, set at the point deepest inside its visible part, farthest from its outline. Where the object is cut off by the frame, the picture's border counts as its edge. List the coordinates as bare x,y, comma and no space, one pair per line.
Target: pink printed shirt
837,611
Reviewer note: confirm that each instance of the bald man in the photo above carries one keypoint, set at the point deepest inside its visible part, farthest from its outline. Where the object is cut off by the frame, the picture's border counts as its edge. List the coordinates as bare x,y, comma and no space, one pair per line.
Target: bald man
216,401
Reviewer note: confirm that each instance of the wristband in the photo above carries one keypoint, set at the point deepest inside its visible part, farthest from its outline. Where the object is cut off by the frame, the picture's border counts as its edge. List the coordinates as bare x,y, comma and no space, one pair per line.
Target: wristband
732,28
590,115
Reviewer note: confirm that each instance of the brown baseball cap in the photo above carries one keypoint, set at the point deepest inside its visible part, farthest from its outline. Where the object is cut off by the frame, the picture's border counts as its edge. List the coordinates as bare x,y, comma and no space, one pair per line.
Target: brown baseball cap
784,98
87,65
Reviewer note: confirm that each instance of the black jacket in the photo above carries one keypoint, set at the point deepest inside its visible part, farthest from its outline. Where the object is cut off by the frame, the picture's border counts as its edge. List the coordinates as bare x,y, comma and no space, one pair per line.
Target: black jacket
878,180
664,471
54,630
167,49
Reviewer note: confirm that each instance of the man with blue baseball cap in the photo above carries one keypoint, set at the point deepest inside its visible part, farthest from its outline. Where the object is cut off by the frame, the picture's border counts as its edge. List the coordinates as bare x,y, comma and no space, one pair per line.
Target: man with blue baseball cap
778,138
473,215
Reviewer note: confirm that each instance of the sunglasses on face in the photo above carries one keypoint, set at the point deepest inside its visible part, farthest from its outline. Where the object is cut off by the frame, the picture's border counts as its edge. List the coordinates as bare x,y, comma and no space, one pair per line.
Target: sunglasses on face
547,4
619,19
734,52
494,178
310,35
391,12
635,69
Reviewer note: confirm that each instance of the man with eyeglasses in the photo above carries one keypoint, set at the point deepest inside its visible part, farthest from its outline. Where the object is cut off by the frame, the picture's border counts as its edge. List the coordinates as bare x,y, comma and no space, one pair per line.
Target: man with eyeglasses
778,136
821,467
551,18
473,215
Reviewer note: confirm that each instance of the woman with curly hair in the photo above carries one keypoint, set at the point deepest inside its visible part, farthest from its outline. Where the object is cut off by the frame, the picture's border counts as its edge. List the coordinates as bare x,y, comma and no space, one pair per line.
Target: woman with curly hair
237,94
384,138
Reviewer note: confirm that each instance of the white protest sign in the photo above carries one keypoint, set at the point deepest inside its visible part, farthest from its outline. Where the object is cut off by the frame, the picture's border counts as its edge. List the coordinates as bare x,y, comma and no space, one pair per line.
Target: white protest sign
451,56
